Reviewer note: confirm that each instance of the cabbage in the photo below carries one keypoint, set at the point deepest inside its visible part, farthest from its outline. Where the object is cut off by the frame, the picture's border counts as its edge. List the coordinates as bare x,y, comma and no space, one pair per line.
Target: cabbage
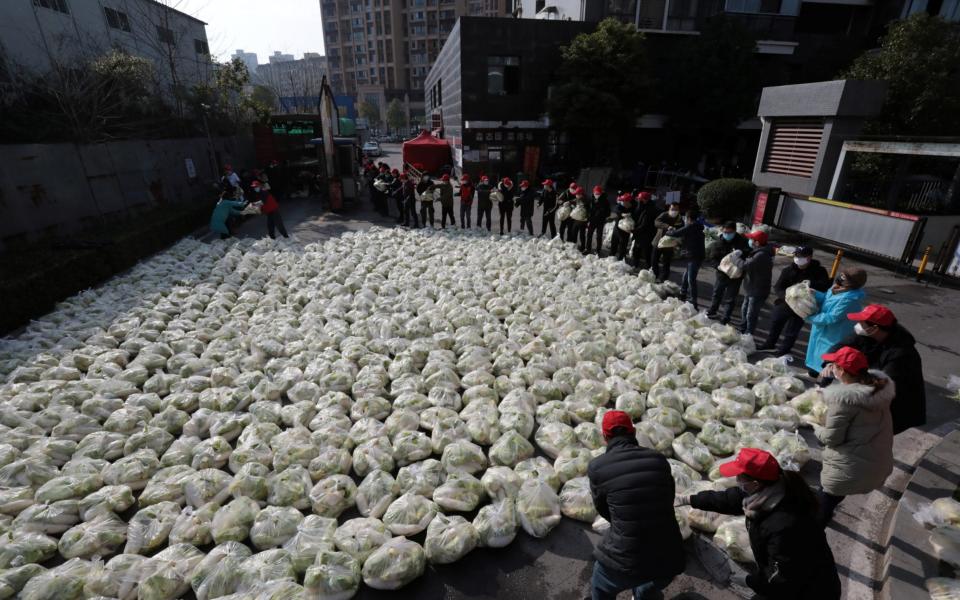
360,537
460,492
802,300
334,576
693,452
394,564
538,507
449,539
576,502
731,536
496,523
409,514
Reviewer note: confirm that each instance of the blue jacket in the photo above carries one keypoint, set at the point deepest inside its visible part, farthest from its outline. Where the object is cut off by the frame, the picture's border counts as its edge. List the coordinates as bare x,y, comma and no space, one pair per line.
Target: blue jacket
221,212
830,326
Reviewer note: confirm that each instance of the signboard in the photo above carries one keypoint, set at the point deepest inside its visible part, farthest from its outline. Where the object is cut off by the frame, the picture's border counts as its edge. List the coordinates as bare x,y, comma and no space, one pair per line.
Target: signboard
760,207
191,168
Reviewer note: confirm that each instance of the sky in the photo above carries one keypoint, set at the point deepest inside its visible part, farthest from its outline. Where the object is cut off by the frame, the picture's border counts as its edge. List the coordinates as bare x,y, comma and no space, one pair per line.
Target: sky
261,26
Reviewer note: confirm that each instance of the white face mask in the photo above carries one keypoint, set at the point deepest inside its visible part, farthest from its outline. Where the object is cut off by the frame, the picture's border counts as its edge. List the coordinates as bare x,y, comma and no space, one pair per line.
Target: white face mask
752,243
597,196
801,262
673,213
859,329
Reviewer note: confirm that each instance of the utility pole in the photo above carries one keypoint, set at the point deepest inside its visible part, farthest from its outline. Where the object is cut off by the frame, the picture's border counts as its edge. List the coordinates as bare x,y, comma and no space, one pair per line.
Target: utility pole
211,155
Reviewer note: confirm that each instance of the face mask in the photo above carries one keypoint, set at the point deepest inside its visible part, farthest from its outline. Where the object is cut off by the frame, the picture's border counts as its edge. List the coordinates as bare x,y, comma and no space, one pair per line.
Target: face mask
860,329
752,243
747,488
673,213
729,236
801,262
597,196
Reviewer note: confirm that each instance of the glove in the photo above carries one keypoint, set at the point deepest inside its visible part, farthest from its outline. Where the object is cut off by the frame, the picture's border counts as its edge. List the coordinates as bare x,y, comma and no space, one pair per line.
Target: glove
681,500
738,252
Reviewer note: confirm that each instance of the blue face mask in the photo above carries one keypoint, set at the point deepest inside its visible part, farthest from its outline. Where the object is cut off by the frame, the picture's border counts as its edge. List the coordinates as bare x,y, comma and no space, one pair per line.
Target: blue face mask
753,244
729,236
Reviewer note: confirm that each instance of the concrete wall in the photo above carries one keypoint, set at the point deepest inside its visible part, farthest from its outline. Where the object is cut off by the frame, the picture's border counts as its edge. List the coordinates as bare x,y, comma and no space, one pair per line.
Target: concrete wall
57,189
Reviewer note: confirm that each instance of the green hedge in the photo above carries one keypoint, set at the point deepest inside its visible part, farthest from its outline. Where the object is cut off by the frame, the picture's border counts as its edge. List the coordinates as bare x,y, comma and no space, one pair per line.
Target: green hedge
35,278
726,199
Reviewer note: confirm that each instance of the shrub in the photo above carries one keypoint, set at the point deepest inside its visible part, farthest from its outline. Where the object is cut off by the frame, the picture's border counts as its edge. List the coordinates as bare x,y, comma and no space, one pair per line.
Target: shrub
726,199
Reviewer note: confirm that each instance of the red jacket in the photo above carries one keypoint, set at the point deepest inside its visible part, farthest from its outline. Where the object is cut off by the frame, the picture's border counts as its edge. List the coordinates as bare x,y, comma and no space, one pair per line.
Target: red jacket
466,193
269,203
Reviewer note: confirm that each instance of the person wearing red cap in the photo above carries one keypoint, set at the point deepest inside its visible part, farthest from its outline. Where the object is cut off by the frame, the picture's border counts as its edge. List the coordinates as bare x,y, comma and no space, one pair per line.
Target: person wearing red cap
890,348
547,198
230,178
757,279
446,201
505,206
794,560
408,193
857,436
526,201
632,487
644,229
623,225
395,191
466,200
662,257
599,212
484,205
830,325
725,288
271,208
226,207
566,202
425,194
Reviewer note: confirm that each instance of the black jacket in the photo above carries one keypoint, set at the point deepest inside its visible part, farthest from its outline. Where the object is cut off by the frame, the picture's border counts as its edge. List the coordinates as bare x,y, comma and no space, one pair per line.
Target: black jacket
758,272
483,194
693,241
897,356
663,223
547,199
507,203
525,199
793,558
792,275
723,248
599,210
645,216
633,489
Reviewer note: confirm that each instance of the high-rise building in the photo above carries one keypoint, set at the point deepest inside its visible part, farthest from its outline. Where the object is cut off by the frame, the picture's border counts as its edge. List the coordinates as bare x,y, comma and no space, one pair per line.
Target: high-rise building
248,58
279,57
295,83
378,50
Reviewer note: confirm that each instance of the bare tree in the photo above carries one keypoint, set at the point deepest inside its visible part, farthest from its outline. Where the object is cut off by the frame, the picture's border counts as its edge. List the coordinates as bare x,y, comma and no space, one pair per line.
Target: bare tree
298,81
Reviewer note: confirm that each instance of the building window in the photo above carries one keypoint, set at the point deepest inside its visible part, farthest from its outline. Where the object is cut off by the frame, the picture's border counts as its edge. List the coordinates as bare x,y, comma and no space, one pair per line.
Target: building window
117,19
201,47
503,75
794,146
57,5
753,6
165,35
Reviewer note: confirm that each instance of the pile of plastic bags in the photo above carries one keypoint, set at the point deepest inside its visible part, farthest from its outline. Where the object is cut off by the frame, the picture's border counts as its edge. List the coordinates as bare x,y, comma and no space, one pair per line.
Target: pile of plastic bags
305,411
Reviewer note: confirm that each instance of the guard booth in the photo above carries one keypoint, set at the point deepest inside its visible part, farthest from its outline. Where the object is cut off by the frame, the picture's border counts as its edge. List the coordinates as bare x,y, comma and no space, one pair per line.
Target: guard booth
895,199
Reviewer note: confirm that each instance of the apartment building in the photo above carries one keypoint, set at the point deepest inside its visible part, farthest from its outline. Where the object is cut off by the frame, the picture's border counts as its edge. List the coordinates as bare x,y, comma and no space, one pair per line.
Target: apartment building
296,83
378,50
36,34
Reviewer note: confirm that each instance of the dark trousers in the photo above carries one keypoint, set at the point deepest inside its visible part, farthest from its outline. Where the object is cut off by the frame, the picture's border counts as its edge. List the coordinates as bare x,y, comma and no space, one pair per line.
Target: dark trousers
410,213
506,213
750,313
426,211
401,213
567,230
275,221
547,221
725,292
607,583
642,248
828,504
464,215
619,244
378,199
688,285
445,211
580,227
484,209
783,320
528,221
660,260
595,229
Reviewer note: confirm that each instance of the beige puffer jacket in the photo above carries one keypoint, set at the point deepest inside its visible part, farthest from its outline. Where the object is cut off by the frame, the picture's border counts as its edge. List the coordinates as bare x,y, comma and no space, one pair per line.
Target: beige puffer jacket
857,437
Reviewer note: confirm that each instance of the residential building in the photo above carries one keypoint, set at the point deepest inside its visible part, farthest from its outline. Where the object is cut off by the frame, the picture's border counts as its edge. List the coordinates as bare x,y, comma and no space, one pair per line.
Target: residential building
378,50
279,57
249,59
296,83
487,89
37,34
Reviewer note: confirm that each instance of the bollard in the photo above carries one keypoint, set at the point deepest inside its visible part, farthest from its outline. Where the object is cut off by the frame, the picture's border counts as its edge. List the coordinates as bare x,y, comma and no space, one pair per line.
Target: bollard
923,262
836,264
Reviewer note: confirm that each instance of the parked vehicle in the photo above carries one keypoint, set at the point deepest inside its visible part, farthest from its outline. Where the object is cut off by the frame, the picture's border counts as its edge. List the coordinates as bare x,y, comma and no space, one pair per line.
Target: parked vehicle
372,148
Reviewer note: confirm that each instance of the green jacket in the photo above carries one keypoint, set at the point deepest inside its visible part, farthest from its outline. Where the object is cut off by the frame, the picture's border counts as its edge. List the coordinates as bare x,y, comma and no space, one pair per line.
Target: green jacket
446,193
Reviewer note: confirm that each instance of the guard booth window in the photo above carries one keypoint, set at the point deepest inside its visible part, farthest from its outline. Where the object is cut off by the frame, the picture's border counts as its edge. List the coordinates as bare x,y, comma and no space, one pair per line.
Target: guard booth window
503,75
793,147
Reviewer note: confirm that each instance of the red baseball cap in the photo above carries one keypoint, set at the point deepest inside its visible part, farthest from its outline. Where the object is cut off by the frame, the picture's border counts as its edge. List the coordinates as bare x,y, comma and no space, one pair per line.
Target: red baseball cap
507,181
849,359
445,178
484,178
524,183
255,184
760,237
597,189
613,419
643,195
752,462
874,313
547,182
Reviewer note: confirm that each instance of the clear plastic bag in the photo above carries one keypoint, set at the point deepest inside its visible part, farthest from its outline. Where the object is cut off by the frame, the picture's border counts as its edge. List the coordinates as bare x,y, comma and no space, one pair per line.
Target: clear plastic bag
274,526
375,493
576,502
460,492
394,564
360,537
218,573
98,537
409,514
314,534
150,527
732,537
496,523
538,507
449,538
334,576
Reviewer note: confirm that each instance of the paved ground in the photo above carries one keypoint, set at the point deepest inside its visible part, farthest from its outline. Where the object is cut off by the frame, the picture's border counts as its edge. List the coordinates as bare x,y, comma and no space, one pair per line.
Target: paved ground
558,567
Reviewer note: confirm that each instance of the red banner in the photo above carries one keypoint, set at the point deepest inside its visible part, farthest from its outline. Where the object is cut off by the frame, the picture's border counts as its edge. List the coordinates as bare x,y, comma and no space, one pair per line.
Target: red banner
760,208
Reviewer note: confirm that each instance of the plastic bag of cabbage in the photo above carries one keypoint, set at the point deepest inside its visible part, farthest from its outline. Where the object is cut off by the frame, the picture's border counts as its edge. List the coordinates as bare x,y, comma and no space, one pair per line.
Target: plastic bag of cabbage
801,299
230,386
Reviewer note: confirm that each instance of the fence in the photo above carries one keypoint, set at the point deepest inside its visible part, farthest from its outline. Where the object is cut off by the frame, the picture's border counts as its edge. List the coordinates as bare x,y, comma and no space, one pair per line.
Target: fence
49,190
